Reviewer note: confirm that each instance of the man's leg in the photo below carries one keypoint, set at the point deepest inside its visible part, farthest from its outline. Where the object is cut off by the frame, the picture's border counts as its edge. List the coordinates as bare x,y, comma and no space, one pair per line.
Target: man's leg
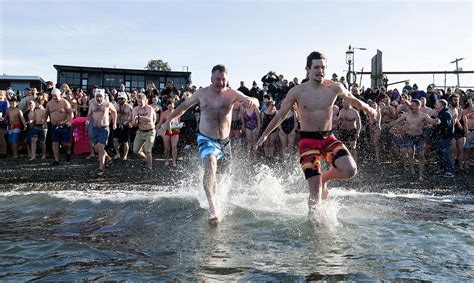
117,148
345,168
100,149
56,151
209,182
3,142
33,148
316,192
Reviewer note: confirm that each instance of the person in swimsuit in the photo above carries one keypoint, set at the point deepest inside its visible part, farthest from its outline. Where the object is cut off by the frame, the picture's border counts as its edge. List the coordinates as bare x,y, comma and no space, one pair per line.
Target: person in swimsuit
101,110
415,121
374,126
122,133
39,130
252,123
171,136
315,99
287,130
267,117
349,126
460,130
4,105
236,124
16,123
60,112
216,103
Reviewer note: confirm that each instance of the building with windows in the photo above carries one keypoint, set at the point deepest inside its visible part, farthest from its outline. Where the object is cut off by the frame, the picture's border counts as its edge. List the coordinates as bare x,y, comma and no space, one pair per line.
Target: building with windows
87,77
19,83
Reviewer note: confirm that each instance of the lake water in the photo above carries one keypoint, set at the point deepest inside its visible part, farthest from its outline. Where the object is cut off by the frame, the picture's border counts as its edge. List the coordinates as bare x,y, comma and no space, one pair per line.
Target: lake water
132,232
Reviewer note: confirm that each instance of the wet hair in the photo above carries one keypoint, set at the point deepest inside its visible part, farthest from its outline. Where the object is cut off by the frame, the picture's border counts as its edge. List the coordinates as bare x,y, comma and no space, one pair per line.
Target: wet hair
314,56
220,68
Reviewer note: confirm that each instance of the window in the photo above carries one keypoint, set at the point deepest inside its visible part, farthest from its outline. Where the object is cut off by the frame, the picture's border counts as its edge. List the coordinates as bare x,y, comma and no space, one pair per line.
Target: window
19,86
137,82
84,84
73,79
113,80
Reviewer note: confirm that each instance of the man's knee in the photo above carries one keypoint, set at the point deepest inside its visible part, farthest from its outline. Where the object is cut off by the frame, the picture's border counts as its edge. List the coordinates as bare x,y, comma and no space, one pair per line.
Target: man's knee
351,171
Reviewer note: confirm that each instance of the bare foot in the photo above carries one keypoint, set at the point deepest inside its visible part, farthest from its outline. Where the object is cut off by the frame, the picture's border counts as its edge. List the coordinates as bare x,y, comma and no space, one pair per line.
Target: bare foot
32,158
43,157
213,220
173,164
117,156
125,158
167,162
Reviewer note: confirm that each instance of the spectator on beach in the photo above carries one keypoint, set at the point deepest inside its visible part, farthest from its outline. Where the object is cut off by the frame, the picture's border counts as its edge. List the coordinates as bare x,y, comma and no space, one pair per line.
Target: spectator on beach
252,123
143,117
16,123
4,105
460,130
27,97
442,136
287,131
236,124
151,91
60,112
82,105
243,89
255,90
171,136
39,129
122,133
375,129
30,119
349,127
431,97
266,117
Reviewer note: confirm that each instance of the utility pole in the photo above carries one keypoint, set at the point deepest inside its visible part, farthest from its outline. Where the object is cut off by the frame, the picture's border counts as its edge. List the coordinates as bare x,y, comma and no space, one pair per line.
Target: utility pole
457,69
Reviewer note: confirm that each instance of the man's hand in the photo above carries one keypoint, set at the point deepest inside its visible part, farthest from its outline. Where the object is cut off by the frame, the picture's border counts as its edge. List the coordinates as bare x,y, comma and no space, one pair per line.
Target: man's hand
114,126
260,142
68,124
372,113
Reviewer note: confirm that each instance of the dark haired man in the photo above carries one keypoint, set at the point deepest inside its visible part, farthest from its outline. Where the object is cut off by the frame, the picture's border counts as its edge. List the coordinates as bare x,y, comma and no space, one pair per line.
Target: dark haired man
442,136
216,102
315,100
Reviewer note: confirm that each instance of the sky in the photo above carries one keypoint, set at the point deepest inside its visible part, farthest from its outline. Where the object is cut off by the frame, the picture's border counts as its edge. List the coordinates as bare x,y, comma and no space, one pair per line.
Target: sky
249,37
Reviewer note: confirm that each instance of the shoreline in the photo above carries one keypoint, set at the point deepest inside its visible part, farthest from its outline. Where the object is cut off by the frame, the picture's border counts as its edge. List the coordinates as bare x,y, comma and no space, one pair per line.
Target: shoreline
80,174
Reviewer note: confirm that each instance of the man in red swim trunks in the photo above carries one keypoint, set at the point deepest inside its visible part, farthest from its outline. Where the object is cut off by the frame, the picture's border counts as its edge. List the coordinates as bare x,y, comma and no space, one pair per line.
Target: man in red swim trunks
315,99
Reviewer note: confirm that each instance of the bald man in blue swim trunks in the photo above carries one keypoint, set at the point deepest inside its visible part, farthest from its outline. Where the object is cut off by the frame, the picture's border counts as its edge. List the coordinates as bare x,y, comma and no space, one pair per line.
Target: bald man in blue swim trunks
216,102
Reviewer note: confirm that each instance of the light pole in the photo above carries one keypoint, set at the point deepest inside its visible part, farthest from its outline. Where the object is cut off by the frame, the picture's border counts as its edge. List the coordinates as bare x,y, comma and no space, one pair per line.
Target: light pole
354,48
349,62
457,68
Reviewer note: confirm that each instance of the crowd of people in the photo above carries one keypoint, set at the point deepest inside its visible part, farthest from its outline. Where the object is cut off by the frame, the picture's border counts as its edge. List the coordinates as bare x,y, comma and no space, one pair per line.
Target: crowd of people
411,124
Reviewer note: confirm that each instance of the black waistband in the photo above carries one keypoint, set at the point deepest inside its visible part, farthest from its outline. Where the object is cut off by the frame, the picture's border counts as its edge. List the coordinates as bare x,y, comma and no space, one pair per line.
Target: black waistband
315,135
146,131
40,126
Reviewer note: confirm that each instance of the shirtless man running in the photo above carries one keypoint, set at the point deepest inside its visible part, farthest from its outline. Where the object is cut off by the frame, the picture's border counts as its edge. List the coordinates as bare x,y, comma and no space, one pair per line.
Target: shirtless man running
99,109
315,99
122,133
61,115
415,121
216,103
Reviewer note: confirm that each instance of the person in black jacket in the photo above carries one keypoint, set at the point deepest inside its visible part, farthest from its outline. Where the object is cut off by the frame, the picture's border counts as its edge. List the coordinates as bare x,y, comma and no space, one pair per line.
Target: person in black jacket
442,136
431,97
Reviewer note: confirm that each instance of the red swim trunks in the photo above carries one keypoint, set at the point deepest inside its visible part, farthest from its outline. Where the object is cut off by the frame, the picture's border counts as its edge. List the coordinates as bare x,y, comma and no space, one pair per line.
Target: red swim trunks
172,133
313,145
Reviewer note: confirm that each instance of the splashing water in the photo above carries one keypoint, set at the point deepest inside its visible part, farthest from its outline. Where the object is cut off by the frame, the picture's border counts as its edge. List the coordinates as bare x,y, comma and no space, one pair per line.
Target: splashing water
160,232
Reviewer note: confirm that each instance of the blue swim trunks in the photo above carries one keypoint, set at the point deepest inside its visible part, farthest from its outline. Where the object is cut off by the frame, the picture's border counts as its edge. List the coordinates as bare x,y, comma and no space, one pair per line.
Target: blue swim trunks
219,148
